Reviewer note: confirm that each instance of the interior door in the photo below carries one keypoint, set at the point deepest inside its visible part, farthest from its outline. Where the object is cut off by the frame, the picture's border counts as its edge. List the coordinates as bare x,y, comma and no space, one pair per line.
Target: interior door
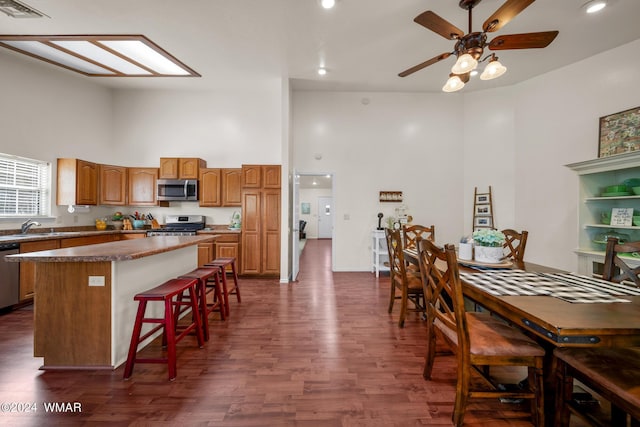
295,227
325,217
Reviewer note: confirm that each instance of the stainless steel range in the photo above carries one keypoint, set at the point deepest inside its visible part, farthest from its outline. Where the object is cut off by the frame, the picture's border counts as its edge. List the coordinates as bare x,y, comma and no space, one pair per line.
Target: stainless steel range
180,225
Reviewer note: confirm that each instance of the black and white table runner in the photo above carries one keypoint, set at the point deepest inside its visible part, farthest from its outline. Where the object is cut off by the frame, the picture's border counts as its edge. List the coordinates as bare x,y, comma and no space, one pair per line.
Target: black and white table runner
571,287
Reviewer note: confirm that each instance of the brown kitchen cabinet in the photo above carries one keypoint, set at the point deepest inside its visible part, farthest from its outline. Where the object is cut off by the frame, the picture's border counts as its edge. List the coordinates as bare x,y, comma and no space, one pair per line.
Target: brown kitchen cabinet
261,176
220,187
231,187
251,176
228,245
210,187
77,182
28,269
205,253
142,186
261,225
113,185
180,167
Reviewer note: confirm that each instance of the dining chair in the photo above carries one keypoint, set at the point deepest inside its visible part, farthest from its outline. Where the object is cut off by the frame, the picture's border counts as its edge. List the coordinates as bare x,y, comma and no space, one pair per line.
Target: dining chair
404,280
410,233
615,269
613,373
515,244
477,339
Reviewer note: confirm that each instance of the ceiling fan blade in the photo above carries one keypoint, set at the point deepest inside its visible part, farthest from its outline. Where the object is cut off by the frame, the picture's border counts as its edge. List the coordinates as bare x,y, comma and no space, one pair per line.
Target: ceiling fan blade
419,67
523,41
504,14
439,25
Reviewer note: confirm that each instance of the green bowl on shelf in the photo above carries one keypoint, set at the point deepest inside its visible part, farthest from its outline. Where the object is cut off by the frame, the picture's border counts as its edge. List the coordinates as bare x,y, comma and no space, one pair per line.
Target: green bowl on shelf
616,188
636,190
636,221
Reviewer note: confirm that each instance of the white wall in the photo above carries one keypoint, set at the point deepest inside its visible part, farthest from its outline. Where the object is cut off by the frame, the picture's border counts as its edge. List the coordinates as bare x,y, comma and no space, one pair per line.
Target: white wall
396,141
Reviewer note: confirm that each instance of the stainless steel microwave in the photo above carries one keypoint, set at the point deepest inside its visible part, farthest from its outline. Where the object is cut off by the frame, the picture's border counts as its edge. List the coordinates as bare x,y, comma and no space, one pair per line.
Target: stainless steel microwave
177,189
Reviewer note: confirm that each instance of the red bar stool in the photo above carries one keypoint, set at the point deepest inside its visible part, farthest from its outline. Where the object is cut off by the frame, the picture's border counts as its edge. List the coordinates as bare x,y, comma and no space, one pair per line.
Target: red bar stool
206,276
223,263
165,293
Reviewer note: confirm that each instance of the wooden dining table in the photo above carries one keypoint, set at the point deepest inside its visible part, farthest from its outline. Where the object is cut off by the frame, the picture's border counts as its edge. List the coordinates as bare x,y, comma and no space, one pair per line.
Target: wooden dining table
552,320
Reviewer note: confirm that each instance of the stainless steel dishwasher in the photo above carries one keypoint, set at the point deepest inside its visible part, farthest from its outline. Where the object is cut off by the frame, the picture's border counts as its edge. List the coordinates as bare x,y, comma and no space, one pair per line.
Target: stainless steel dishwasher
9,276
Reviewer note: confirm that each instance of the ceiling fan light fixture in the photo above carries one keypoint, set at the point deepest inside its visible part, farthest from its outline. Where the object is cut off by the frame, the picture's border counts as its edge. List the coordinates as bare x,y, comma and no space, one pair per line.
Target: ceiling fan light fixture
453,84
464,64
494,69
594,6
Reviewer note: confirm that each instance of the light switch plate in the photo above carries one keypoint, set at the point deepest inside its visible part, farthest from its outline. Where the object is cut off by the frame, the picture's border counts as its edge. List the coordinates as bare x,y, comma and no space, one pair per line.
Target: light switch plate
96,280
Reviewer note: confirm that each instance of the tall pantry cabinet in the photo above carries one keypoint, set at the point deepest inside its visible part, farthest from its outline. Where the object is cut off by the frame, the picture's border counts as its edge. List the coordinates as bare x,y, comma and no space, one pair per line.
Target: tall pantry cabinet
260,220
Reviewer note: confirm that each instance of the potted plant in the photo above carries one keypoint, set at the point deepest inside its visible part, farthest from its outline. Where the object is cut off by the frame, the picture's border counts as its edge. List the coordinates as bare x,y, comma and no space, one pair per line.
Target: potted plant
116,220
488,245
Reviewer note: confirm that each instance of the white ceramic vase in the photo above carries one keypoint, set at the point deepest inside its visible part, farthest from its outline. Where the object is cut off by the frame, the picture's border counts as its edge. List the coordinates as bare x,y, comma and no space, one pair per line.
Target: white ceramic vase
488,254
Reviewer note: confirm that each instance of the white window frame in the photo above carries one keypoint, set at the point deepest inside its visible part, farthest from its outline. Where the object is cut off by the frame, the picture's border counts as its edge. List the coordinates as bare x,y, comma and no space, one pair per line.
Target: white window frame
25,187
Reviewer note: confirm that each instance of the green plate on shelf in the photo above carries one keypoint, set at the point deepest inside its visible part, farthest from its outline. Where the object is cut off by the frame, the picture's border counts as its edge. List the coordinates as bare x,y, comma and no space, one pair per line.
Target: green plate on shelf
616,194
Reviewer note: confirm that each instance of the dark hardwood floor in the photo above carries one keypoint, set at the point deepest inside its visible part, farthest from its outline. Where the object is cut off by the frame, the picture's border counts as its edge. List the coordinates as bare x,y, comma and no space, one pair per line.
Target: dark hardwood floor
319,352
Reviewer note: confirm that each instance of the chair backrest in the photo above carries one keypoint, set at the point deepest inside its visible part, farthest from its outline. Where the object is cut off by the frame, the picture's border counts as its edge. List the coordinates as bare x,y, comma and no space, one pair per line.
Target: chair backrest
397,263
612,260
443,291
411,233
515,244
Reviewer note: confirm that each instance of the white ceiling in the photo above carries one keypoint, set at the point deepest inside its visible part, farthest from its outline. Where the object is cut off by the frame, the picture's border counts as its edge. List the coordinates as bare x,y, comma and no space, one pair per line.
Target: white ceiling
363,43
315,181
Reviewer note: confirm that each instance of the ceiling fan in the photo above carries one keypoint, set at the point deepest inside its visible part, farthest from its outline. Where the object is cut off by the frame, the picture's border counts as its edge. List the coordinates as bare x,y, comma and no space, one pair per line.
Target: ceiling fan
469,48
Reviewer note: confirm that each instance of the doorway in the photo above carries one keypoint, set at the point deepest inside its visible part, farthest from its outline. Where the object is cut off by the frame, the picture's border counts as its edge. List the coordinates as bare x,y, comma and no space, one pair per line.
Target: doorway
307,188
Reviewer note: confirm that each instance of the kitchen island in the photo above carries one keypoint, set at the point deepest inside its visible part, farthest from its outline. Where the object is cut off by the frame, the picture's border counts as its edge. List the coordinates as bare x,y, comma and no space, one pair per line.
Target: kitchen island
84,308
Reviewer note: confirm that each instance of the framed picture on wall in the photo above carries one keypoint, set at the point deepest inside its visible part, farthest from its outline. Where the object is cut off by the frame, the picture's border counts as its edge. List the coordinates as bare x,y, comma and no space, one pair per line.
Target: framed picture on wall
619,133
305,208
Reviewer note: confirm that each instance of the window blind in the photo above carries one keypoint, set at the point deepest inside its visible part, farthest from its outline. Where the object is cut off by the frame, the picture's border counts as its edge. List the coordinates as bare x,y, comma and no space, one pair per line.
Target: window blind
25,187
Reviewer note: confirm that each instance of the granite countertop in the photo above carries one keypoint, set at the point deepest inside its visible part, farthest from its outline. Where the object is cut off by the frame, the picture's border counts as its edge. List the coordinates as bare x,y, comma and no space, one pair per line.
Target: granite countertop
35,236
122,250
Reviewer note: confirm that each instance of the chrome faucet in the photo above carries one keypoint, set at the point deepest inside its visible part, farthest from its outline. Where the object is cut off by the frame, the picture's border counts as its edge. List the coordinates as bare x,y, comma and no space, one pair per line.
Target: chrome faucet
27,225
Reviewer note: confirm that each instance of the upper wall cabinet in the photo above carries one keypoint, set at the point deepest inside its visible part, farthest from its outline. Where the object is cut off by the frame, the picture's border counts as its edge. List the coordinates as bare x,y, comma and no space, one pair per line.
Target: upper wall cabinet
232,187
113,185
77,182
181,168
143,186
260,176
220,187
210,187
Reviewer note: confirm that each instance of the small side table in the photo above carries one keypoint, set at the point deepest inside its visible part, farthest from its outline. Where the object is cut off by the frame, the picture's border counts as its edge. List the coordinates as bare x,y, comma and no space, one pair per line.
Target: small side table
380,253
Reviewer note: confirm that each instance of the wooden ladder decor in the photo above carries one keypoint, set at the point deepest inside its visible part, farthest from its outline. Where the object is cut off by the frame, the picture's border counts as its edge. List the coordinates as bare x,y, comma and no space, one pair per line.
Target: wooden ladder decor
482,210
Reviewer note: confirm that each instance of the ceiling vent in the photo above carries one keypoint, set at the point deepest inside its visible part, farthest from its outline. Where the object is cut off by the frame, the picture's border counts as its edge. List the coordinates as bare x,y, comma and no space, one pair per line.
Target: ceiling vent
17,9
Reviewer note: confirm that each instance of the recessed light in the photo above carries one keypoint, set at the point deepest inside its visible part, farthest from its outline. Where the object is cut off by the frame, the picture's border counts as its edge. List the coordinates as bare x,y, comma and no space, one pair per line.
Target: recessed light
322,71
595,6
328,4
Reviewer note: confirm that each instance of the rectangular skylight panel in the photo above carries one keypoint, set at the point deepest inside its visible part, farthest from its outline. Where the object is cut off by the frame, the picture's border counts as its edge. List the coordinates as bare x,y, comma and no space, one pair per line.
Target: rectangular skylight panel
96,53
52,54
145,55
